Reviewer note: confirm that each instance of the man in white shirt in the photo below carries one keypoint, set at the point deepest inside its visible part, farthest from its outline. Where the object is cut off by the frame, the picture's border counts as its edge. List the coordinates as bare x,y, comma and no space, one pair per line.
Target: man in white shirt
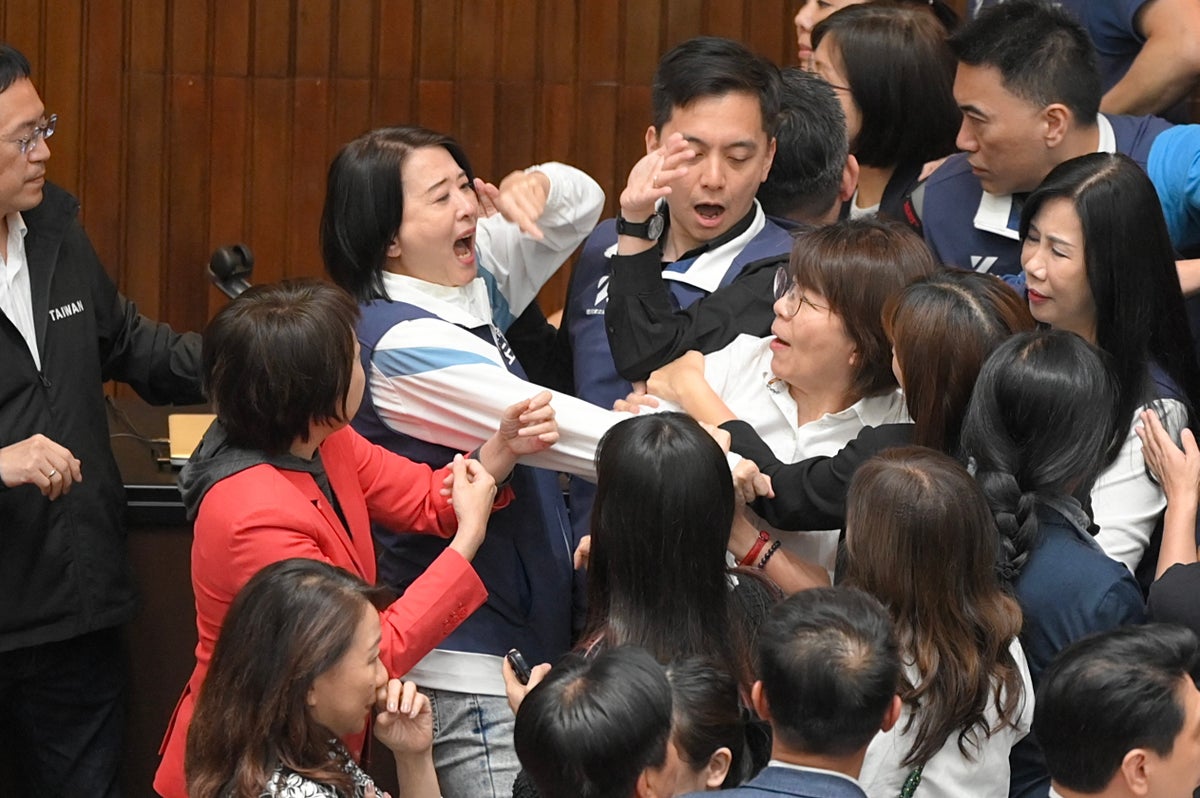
828,668
1118,715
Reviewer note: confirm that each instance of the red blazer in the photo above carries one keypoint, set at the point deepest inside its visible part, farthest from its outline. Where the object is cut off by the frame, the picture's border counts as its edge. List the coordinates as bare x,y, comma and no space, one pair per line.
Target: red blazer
263,514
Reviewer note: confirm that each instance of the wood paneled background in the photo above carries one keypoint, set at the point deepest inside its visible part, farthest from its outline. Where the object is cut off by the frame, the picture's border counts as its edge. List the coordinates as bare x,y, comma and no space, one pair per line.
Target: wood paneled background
188,124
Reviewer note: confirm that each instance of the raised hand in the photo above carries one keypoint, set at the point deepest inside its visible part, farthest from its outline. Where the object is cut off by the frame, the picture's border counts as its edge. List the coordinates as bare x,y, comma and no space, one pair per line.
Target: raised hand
650,179
520,198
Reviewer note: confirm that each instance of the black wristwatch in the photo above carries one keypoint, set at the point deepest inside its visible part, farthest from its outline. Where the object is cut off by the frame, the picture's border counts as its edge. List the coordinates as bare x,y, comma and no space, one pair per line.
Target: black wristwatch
650,229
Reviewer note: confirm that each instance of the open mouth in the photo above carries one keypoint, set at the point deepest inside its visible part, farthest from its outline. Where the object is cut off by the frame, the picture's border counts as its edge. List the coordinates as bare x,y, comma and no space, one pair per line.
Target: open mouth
710,213
464,248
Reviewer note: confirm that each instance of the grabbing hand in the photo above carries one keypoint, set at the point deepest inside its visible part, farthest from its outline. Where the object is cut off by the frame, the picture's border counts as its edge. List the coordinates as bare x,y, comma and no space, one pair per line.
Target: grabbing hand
520,199
670,382
650,178
513,688
404,722
636,400
529,427
472,492
749,483
39,461
1177,470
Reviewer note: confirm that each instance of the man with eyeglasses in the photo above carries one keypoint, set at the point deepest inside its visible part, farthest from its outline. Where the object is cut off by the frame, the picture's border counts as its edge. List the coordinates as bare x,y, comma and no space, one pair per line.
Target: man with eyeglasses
66,585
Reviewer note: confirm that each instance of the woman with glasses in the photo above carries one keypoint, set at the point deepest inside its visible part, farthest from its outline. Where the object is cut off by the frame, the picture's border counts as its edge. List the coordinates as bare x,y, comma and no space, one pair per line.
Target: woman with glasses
827,371
893,72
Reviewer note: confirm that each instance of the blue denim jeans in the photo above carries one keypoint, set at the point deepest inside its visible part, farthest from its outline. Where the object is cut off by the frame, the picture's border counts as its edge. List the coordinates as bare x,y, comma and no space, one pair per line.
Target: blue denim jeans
473,744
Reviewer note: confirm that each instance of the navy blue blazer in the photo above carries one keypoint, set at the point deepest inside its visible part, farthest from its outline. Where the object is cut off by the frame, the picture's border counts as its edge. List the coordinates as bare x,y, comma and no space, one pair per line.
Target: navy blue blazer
800,783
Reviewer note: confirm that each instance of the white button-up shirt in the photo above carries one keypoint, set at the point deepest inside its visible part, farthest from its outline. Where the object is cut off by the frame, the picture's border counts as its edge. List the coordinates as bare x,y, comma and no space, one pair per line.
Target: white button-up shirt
16,297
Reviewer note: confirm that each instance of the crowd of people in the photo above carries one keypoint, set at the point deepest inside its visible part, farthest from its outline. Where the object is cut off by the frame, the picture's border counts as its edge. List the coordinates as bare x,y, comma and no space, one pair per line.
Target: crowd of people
862,461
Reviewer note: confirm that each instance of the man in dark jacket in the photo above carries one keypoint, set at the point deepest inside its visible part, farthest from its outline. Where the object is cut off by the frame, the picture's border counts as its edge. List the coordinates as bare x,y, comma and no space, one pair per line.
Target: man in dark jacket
66,585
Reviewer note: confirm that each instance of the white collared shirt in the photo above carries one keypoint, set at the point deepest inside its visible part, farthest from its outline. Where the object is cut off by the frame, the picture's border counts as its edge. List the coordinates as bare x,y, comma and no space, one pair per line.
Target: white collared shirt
16,297
741,375
776,763
709,268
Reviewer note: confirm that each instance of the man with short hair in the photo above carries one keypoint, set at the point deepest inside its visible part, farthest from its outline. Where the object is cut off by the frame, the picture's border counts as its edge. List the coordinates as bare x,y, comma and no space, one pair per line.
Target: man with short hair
1118,715
689,210
1148,51
811,176
598,727
66,585
1030,95
828,669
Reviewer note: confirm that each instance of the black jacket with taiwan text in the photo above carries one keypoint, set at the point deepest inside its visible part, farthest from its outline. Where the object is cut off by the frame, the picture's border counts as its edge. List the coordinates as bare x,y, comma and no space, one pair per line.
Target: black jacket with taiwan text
64,570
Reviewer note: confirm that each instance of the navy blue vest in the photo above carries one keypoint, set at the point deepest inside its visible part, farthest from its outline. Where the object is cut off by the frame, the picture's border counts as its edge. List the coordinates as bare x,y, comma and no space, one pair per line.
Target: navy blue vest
952,195
525,560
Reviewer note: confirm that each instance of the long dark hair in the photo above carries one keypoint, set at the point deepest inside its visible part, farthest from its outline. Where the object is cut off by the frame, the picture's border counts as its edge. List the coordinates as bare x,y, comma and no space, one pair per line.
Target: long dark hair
942,330
364,203
660,528
1140,315
289,624
907,509
1039,421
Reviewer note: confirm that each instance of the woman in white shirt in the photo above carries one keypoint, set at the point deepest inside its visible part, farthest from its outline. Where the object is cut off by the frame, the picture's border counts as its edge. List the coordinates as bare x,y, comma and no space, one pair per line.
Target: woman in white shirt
921,538
824,374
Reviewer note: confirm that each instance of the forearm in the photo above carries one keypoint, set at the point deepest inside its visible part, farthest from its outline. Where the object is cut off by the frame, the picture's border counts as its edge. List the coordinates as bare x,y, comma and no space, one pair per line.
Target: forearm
520,263
1168,64
1179,534
416,775
647,331
1189,276
702,403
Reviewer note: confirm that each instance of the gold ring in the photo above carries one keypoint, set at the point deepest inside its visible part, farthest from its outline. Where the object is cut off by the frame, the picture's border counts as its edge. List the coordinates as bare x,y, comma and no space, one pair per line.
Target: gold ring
654,181
53,471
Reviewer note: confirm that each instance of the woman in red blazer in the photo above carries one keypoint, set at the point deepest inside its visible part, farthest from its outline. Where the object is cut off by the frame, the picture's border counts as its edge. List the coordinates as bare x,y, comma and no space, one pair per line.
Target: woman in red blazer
280,475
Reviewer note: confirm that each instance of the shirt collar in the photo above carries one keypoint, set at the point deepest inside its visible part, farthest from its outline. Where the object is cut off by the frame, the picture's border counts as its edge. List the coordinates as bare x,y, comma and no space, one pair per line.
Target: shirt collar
466,305
738,229
996,211
777,763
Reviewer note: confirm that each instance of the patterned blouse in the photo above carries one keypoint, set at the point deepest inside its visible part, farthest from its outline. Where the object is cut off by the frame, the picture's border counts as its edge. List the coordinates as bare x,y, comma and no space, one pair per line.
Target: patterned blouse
285,783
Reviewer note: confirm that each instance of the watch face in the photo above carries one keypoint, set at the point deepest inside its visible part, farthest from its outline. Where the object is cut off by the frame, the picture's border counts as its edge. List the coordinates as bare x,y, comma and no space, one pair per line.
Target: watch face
654,227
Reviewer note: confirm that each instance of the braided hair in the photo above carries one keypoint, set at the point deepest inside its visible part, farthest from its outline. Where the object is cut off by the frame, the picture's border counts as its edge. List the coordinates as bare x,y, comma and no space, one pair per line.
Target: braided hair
1037,426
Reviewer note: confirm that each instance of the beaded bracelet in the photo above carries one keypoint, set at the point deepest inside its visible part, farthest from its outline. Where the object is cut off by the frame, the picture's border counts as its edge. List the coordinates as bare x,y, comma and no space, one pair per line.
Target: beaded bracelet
770,553
763,539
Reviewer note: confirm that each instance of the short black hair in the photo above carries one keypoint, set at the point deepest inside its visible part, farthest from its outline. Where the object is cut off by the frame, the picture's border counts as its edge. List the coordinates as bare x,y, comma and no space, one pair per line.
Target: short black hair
710,66
277,358
593,725
14,66
1042,52
1109,693
364,203
810,151
827,659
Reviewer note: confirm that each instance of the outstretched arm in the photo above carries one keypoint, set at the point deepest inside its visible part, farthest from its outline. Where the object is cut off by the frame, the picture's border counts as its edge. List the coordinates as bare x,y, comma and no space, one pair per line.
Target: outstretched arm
1168,66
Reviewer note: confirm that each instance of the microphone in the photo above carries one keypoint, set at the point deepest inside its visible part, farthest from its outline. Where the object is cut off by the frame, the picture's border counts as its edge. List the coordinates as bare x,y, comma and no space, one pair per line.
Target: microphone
229,269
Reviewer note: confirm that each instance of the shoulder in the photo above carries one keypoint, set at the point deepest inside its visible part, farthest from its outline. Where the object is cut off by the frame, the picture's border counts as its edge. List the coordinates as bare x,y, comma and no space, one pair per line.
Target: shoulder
57,210
953,176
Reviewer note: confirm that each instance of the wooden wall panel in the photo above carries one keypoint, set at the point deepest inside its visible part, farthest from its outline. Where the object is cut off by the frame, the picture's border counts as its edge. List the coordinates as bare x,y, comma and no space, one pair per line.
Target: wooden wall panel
190,124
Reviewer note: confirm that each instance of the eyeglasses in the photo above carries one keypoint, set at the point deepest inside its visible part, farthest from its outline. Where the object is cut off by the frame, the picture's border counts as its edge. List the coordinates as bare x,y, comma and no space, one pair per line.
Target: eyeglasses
43,130
787,292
